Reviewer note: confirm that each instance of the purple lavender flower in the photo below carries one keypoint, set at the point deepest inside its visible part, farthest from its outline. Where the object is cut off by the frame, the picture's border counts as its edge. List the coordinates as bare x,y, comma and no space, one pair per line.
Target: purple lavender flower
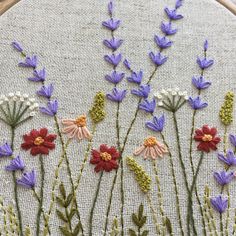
127,64
17,46
204,63
178,4
157,124
232,139
143,91
157,59
205,45
113,43
136,77
148,106
29,62
46,91
16,164
113,59
172,14
28,179
111,24
117,95
39,75
51,109
223,177
229,159
167,28
196,103
115,77
219,203
5,150
110,7
162,42
200,82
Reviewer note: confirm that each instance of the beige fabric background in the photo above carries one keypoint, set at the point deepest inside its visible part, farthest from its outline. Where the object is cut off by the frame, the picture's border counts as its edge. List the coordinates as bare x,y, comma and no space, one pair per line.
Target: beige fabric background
67,36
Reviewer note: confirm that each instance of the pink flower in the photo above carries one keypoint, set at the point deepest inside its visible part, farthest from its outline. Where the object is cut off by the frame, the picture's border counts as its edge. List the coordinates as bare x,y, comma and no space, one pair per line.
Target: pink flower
151,148
76,128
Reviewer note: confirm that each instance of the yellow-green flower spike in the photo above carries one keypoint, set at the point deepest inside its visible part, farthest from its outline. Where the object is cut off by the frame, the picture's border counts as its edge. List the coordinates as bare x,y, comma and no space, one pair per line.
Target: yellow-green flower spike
97,111
226,111
28,231
143,179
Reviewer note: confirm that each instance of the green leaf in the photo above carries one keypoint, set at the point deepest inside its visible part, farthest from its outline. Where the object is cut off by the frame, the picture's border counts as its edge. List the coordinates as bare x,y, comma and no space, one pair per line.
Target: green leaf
135,220
62,190
60,201
61,216
132,233
145,233
140,211
142,221
77,229
65,231
168,225
68,200
72,213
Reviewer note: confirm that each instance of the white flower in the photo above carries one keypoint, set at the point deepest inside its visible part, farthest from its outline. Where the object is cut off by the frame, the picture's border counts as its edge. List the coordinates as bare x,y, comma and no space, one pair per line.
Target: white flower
160,104
28,104
25,95
15,98
33,113
18,94
173,93
186,97
11,95
32,100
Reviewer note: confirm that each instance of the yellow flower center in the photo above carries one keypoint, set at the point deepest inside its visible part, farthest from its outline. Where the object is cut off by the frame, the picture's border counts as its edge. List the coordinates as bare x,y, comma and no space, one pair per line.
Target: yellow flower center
81,121
150,142
207,138
38,141
105,156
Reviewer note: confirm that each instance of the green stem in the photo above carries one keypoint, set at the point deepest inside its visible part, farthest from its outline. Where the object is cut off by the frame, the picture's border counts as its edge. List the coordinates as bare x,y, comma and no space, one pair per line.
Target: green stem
93,206
221,225
41,194
16,187
68,170
175,187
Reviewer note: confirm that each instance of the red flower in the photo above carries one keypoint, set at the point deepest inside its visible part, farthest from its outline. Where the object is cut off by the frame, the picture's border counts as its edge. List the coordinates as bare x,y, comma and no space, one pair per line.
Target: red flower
105,158
39,141
207,138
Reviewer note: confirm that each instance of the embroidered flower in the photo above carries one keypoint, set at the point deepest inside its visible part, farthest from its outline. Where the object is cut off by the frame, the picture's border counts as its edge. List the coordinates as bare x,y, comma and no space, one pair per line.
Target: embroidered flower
151,148
148,106
105,158
39,142
204,63
178,4
46,91
127,64
136,77
205,45
207,138
28,179
157,59
116,95
5,150
223,177
172,14
111,24
29,62
219,203
51,109
110,7
39,76
113,43
157,124
76,128
16,164
196,103
143,91
232,139
229,159
115,77
200,82
162,42
113,59
17,46
167,28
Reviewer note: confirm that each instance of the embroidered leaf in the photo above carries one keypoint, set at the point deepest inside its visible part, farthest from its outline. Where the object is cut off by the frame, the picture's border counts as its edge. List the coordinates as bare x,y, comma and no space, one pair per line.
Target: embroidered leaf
132,232
61,216
168,225
140,211
145,233
77,229
72,213
60,201
65,231
68,200
62,190
114,228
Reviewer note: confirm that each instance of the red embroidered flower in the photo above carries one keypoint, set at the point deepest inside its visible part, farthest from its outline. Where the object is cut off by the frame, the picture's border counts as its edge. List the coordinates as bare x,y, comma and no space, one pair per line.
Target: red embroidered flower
207,138
39,141
105,158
